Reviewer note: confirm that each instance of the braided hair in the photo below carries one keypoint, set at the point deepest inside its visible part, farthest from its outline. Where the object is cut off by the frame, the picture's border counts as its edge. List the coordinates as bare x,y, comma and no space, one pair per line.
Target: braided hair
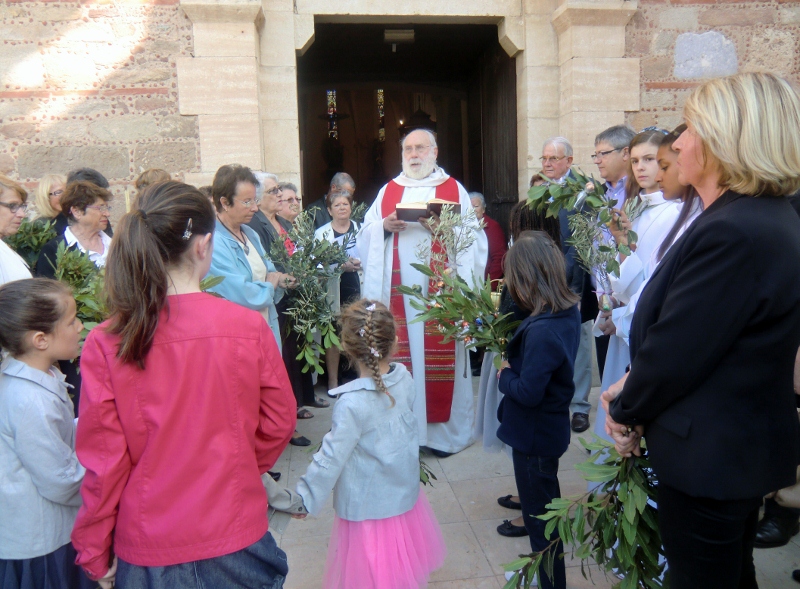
368,336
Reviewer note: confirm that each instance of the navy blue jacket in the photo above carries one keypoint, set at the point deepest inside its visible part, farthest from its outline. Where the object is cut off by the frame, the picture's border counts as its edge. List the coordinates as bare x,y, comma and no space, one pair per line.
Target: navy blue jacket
538,387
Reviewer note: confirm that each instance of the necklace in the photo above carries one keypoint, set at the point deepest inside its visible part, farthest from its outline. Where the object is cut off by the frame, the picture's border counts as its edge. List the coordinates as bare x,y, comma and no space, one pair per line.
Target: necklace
236,237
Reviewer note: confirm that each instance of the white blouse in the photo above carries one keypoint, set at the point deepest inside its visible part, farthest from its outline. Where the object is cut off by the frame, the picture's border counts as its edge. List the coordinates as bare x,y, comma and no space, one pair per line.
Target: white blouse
97,258
12,266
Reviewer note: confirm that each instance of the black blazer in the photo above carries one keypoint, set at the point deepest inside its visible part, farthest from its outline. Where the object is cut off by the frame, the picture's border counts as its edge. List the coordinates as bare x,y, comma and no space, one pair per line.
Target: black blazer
261,225
713,345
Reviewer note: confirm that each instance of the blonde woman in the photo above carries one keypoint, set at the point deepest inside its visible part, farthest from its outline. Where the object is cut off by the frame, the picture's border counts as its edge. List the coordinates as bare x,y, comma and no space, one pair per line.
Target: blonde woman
47,199
715,334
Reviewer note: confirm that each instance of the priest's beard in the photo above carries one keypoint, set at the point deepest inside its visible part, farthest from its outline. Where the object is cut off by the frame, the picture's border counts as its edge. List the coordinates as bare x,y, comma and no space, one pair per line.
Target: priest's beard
422,171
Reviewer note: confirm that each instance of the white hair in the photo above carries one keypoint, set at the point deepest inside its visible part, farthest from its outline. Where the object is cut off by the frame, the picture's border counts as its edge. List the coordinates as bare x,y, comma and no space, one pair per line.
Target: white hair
479,196
559,142
261,176
430,134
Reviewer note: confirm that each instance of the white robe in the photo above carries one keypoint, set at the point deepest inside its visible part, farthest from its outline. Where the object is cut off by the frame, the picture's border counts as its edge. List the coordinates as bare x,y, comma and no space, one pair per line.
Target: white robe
376,259
12,266
651,228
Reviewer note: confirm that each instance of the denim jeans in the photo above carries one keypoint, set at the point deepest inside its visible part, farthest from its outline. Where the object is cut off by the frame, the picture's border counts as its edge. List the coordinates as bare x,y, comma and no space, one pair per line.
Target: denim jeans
537,485
259,566
708,542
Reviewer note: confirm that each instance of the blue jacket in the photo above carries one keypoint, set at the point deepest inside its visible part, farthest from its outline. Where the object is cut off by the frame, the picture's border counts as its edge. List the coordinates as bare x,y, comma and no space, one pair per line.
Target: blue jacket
537,386
228,260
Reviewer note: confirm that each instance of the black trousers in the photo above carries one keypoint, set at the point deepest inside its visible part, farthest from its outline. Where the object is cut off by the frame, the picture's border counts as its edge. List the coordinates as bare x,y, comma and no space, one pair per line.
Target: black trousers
601,345
708,542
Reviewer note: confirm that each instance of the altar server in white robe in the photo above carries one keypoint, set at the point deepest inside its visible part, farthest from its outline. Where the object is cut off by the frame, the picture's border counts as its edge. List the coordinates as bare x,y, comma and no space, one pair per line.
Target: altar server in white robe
651,226
444,400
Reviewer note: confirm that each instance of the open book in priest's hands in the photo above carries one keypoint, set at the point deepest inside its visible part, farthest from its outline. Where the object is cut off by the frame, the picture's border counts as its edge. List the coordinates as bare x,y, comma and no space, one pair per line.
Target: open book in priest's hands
412,211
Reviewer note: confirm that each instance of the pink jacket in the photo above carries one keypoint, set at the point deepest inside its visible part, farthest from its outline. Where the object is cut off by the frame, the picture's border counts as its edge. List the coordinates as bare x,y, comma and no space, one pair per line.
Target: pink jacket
174,453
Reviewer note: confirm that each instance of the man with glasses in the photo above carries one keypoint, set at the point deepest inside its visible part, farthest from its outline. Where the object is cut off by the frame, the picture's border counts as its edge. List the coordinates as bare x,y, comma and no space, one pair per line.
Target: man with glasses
611,156
556,163
444,396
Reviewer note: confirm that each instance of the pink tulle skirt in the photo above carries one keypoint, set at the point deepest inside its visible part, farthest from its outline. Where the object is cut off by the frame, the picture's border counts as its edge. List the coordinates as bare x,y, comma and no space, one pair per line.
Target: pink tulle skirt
398,552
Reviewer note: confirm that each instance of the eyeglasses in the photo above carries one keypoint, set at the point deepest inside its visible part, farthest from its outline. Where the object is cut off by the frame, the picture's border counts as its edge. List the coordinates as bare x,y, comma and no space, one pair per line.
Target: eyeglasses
56,193
273,190
663,131
420,149
249,203
551,160
15,206
291,199
102,208
601,154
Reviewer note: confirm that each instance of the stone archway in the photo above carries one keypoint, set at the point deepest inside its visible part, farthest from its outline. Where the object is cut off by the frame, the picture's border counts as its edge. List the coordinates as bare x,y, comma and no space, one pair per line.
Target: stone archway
572,76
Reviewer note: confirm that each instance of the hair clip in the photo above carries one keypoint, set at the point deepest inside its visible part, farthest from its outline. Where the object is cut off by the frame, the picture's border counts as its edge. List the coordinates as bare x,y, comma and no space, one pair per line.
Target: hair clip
660,130
371,307
362,332
188,233
375,352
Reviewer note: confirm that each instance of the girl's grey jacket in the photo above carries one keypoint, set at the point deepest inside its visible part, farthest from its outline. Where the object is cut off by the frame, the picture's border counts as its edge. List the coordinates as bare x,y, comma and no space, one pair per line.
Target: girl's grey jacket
370,458
40,476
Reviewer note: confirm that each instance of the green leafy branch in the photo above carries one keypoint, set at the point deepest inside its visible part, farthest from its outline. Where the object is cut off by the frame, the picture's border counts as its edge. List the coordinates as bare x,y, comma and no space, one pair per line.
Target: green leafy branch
615,525
314,264
31,237
358,212
74,268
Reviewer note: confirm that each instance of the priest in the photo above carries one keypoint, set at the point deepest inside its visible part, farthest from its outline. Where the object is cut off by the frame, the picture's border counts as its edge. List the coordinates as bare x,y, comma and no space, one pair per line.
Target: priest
444,401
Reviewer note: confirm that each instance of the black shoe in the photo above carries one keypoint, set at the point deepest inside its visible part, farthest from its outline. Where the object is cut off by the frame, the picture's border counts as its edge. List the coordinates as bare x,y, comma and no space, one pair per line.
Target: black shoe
796,575
276,476
440,453
300,441
509,530
773,532
508,503
580,422
476,371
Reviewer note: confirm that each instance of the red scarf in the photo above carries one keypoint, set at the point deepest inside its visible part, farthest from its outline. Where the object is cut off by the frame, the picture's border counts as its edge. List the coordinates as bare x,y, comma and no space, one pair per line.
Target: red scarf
440,359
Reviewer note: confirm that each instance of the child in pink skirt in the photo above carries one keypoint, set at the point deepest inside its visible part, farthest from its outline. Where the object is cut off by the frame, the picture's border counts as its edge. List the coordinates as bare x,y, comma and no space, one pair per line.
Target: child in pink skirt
385,535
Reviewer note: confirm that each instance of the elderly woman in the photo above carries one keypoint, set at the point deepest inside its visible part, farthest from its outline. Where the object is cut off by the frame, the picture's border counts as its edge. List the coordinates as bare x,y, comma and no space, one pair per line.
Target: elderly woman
85,206
290,201
47,199
715,334
13,205
251,279
266,221
348,287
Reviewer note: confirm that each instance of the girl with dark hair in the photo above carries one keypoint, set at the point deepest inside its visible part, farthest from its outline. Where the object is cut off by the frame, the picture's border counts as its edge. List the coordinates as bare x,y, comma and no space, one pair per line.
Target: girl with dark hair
536,381
38,466
185,404
385,534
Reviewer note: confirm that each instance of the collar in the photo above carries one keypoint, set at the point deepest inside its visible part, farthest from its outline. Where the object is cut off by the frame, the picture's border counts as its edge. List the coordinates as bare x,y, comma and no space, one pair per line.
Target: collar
653,199
72,241
366,383
52,381
435,178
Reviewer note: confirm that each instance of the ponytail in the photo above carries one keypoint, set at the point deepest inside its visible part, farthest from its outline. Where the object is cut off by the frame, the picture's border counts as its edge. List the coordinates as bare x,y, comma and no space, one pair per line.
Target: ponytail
147,241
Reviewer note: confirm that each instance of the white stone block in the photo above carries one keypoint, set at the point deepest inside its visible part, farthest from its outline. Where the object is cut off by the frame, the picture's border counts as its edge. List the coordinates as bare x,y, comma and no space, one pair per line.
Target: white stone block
229,139
225,39
217,85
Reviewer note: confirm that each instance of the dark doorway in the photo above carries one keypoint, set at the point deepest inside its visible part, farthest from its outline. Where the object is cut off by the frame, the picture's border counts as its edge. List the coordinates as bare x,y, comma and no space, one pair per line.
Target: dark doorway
457,74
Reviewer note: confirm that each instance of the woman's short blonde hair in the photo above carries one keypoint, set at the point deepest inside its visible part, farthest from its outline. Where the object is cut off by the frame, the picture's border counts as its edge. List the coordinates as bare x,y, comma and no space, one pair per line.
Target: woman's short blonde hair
41,198
750,127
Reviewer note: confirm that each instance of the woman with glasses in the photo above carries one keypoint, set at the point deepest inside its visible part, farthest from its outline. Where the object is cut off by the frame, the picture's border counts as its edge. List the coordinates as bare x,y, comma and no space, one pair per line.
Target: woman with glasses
13,206
86,208
290,201
47,198
250,278
715,335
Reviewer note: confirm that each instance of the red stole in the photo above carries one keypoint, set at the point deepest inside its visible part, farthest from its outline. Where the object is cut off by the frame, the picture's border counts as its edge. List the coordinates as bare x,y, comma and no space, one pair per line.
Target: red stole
440,359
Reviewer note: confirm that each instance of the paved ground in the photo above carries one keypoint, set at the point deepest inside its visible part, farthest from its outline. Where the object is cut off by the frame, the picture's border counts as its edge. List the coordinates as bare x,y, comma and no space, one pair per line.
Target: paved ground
464,499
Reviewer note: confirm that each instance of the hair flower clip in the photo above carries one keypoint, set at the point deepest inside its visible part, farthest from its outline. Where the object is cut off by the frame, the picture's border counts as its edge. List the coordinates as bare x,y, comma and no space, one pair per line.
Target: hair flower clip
375,352
188,233
371,307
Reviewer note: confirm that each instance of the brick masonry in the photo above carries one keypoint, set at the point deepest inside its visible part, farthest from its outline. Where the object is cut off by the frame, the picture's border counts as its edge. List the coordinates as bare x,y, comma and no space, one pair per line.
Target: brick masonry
93,84
765,36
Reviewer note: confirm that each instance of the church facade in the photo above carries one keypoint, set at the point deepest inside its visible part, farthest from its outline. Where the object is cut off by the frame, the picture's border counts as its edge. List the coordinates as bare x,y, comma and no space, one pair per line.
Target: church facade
190,85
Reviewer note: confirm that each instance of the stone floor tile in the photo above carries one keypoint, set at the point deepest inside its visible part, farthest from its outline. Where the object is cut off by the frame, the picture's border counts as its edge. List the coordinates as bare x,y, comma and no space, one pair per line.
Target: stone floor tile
444,503
478,497
774,566
312,526
597,580
306,561
498,549
481,583
474,463
465,558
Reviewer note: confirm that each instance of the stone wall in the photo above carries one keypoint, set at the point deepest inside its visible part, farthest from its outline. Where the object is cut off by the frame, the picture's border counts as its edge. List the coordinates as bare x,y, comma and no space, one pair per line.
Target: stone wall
681,42
93,84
